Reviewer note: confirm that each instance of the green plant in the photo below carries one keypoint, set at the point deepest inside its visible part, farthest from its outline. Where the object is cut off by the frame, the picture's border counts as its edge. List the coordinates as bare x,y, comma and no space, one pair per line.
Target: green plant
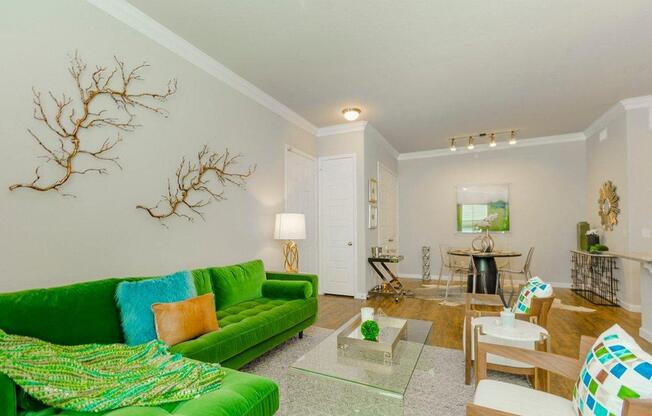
370,330
597,248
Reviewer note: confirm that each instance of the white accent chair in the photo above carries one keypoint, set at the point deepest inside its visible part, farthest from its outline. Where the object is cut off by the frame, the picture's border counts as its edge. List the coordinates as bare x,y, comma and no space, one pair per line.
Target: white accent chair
496,398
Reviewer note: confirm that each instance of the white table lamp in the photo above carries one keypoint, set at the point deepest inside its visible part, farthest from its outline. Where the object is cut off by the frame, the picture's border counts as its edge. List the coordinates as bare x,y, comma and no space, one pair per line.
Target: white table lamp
290,227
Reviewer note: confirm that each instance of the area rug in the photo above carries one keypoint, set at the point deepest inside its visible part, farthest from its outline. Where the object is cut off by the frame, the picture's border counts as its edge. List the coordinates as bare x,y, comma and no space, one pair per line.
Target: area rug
558,304
437,383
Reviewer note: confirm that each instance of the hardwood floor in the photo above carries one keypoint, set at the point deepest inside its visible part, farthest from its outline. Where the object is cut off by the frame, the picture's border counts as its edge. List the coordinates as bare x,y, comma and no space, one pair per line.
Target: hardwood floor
565,326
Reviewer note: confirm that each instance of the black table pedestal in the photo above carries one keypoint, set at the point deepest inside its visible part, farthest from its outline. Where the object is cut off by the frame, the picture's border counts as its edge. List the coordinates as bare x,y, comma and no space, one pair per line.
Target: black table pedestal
487,275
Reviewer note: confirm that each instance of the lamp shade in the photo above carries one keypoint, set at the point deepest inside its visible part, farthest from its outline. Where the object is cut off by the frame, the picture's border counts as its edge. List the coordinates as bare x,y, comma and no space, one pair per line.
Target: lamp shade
290,227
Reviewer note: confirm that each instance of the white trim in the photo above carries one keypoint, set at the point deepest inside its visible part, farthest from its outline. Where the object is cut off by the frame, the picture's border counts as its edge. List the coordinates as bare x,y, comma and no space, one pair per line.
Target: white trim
388,146
141,22
361,296
418,276
629,306
561,285
645,334
341,128
538,141
352,156
603,121
644,101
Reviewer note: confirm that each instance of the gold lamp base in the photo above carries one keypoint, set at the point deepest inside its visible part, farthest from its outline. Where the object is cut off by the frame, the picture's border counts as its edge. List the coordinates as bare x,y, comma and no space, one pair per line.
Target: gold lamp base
291,253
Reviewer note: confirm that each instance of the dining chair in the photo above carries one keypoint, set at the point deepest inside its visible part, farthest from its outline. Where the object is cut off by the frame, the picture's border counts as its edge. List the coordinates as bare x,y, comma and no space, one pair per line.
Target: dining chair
524,271
454,265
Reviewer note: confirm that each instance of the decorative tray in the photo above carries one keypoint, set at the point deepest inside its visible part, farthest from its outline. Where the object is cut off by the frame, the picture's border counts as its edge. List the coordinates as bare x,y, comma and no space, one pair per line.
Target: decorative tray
392,330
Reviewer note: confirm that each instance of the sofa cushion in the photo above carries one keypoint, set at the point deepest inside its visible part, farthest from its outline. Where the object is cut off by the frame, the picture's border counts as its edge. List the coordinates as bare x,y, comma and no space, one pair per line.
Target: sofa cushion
237,283
245,325
616,368
241,394
135,301
520,400
181,321
281,289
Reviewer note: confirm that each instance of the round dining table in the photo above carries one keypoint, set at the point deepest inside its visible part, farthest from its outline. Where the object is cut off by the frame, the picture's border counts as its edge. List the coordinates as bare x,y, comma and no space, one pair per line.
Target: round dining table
485,264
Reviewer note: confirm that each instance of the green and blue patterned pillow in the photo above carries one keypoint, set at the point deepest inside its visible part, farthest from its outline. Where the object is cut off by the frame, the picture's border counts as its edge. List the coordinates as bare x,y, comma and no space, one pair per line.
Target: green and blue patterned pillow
534,288
616,368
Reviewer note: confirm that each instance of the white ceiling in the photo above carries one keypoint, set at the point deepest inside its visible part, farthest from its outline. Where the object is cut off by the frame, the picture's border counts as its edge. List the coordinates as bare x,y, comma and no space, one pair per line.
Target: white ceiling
426,70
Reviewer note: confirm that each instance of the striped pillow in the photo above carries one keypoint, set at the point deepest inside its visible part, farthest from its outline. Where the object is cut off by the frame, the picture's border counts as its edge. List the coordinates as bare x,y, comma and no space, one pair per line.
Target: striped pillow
616,368
534,288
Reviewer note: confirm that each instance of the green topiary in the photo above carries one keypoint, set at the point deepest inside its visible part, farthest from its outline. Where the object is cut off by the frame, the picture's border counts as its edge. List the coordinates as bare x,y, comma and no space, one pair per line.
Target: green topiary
370,330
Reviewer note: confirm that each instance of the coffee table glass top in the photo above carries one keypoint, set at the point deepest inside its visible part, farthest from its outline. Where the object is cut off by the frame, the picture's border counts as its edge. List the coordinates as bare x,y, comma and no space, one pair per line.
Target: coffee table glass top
368,368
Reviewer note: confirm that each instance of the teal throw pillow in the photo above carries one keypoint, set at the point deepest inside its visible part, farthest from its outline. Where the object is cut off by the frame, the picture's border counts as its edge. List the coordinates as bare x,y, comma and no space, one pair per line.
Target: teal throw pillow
135,301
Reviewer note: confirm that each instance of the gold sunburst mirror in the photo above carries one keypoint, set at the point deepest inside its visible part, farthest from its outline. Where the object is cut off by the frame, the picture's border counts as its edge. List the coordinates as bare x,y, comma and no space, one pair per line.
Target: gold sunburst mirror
608,206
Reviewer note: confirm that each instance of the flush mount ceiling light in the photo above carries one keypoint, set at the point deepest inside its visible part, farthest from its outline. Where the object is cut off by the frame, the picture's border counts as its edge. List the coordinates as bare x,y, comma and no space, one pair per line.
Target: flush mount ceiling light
351,113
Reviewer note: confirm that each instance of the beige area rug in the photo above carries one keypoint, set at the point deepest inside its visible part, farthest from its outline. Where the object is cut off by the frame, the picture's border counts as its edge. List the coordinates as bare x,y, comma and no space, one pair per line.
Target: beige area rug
558,304
436,388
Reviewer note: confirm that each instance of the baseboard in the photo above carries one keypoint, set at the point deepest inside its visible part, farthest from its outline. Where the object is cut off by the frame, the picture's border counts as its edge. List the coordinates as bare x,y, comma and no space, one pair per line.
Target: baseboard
420,277
561,285
645,334
629,306
361,296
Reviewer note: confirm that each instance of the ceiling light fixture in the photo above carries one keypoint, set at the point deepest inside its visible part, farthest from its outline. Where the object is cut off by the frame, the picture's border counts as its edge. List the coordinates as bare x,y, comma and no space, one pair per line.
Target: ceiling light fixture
470,146
351,113
492,141
453,148
512,137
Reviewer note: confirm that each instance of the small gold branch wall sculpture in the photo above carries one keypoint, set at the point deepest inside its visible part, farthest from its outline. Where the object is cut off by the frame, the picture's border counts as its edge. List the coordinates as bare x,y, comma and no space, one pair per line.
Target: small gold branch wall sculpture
193,188
68,119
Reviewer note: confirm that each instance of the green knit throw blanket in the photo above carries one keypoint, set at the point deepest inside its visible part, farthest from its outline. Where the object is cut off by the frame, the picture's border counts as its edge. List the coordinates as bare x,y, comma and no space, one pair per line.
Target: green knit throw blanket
96,378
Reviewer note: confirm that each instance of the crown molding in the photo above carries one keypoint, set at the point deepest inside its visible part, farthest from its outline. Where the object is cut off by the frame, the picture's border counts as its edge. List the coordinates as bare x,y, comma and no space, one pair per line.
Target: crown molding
537,141
144,24
644,101
341,128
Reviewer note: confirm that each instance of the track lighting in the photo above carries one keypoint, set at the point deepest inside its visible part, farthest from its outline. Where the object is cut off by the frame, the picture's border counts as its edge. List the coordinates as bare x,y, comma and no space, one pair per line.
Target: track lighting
492,141
453,148
512,137
470,146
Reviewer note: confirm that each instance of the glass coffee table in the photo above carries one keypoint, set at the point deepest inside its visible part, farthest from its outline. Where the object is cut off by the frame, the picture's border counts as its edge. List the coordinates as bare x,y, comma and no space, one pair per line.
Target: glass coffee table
350,380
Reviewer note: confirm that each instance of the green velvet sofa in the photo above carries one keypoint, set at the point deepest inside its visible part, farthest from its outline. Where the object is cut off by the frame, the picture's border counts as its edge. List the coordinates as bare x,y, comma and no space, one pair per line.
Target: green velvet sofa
256,311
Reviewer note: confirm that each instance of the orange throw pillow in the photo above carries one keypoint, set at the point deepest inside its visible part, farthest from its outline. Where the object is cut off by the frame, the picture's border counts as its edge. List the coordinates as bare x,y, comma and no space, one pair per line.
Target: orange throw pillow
181,321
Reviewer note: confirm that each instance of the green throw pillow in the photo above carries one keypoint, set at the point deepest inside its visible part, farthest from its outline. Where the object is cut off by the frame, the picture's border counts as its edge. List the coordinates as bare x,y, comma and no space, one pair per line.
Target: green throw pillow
615,368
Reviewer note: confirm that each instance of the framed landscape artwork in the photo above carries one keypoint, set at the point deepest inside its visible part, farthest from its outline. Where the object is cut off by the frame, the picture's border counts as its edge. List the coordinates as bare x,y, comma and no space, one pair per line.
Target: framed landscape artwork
476,202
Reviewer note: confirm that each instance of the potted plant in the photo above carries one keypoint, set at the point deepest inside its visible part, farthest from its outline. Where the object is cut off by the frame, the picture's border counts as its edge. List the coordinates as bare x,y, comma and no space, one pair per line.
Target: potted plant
592,237
486,243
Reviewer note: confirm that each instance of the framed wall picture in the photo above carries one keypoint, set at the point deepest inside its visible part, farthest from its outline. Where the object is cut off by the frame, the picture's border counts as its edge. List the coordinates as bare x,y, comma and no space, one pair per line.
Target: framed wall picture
373,191
373,216
477,203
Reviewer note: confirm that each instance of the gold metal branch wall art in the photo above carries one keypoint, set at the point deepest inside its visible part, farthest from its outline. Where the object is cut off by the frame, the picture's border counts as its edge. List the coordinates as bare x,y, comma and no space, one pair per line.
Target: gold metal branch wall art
193,188
608,209
69,120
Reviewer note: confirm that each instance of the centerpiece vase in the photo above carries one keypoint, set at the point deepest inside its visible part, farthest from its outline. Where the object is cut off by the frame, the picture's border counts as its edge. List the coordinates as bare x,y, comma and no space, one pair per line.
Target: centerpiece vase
487,242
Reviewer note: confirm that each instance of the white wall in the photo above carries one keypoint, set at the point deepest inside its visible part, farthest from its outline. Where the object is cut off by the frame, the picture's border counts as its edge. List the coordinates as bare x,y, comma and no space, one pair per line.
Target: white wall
51,240
376,151
547,199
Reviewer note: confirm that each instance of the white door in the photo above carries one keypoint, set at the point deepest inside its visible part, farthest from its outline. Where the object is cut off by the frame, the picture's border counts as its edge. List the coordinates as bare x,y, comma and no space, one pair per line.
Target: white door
337,177
301,197
387,208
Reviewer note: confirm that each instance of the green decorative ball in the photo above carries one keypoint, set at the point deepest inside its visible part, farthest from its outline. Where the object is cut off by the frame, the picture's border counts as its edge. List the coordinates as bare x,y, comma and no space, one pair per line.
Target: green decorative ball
370,330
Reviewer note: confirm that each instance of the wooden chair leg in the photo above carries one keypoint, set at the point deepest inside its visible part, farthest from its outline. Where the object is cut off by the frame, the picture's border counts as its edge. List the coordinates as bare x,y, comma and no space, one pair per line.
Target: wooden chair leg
468,333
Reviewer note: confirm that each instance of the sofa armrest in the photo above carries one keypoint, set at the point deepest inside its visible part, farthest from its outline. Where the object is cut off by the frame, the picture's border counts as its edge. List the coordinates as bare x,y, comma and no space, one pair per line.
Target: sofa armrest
8,404
287,289
311,278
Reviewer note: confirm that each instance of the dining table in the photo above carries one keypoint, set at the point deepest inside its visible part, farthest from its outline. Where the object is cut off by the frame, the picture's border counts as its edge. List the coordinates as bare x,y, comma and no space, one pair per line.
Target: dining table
485,264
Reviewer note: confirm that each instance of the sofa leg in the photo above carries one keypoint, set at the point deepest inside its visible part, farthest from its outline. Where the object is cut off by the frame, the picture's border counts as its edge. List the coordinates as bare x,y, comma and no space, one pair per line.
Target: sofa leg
300,334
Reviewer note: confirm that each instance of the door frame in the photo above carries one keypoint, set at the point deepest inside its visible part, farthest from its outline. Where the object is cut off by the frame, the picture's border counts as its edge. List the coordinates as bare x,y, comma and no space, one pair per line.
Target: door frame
381,165
289,148
321,256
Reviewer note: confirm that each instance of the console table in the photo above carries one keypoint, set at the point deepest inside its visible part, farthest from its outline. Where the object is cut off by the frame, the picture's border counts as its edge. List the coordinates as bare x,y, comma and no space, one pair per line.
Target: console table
593,278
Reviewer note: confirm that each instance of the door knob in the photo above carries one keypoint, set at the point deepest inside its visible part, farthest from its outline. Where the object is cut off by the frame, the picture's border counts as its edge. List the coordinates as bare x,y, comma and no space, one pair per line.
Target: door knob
349,243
